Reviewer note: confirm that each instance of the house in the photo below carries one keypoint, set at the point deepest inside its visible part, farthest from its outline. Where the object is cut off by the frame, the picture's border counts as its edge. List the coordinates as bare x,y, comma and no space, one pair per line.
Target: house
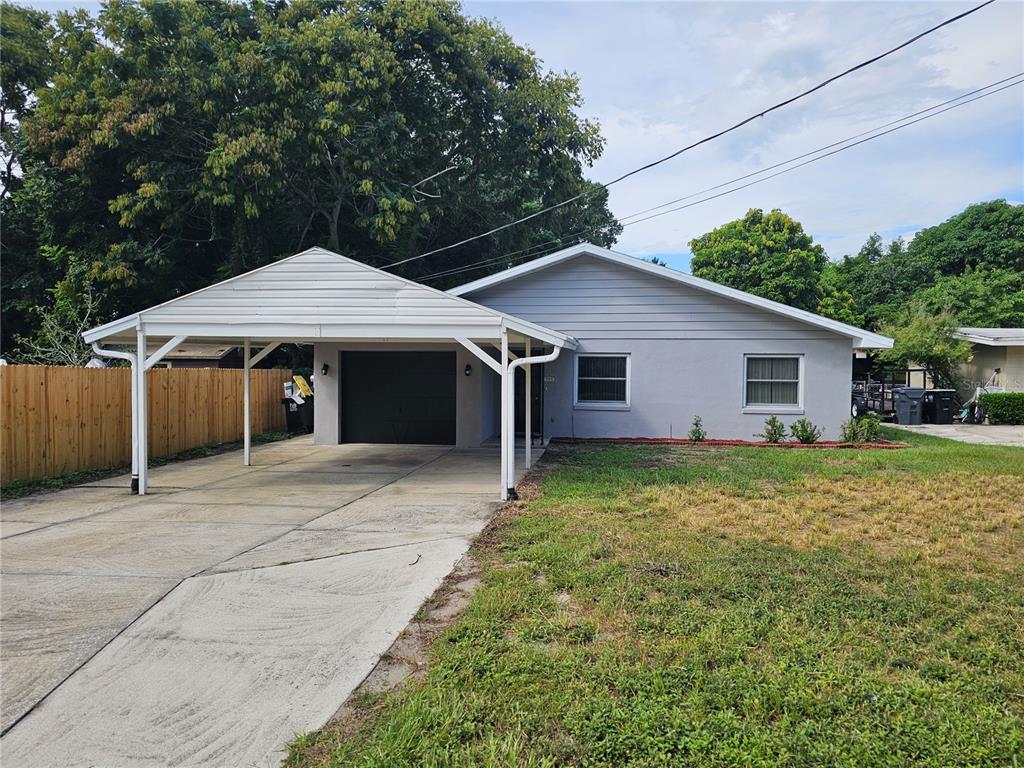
998,359
605,345
657,347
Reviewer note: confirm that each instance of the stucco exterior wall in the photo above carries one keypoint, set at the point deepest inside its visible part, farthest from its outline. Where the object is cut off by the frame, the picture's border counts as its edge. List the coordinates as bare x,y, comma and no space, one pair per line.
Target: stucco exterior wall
686,351
673,381
1015,369
980,369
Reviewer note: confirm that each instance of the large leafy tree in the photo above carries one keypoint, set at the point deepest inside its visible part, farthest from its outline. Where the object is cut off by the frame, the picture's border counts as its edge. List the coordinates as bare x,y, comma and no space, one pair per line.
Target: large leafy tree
180,143
769,255
24,69
982,297
968,265
986,235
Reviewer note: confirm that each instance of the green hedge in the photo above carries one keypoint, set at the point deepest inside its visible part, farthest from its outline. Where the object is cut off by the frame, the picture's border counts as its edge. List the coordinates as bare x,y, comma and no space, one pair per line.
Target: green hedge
1004,407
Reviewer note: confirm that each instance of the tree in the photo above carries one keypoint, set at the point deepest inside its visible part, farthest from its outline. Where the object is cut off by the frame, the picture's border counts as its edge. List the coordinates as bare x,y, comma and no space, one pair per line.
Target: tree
24,69
769,255
837,302
187,142
59,324
878,277
989,234
979,297
927,340
987,238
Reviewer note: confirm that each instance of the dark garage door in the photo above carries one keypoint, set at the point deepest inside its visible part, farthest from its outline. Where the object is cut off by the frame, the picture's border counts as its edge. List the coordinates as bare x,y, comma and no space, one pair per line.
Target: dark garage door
398,397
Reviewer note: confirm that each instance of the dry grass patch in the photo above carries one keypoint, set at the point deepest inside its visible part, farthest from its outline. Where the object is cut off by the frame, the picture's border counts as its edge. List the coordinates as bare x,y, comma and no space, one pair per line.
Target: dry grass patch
960,518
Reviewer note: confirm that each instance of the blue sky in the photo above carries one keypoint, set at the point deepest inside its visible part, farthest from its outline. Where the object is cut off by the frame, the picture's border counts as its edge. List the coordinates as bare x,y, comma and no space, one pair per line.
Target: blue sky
658,75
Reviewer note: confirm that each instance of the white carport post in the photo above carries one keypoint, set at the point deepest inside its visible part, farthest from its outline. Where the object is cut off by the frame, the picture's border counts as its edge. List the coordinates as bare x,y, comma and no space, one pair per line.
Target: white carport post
141,417
246,409
505,481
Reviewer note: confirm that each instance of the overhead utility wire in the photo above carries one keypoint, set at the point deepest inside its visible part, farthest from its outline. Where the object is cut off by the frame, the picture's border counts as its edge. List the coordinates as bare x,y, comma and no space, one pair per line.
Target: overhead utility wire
537,247
706,139
561,243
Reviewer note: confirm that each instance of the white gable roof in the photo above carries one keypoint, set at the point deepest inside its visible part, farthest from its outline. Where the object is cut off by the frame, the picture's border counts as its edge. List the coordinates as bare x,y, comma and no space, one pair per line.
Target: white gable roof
318,294
860,337
993,337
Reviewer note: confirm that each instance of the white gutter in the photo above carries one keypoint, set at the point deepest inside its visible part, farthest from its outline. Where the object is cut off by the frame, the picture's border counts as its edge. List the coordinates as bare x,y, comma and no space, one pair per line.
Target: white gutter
510,427
133,359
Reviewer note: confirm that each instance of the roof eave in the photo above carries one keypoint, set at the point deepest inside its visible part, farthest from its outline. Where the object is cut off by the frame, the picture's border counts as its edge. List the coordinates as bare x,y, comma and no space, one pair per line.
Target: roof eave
112,328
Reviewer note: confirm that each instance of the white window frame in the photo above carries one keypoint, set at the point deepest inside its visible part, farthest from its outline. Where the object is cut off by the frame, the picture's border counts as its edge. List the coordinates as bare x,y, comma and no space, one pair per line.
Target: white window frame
600,405
768,408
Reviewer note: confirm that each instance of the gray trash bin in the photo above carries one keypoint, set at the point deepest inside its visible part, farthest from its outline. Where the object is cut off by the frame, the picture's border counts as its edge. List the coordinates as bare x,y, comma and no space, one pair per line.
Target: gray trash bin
907,402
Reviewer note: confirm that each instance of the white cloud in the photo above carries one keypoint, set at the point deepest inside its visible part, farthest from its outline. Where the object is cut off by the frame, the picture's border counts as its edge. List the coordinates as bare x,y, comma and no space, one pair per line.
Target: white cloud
660,75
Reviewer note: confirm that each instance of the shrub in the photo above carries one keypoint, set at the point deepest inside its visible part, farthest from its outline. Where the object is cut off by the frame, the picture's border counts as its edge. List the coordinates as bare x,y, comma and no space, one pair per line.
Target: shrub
774,430
866,429
697,433
803,431
1003,407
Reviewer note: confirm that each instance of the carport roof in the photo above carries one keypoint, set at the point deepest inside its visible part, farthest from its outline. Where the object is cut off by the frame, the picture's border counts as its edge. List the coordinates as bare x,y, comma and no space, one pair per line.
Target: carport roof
318,295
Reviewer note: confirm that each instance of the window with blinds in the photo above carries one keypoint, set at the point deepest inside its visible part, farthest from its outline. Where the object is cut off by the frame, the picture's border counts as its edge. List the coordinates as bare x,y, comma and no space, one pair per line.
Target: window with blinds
602,379
773,381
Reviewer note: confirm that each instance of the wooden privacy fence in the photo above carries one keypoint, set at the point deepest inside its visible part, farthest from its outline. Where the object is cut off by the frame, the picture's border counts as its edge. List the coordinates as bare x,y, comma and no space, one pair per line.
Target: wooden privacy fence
57,420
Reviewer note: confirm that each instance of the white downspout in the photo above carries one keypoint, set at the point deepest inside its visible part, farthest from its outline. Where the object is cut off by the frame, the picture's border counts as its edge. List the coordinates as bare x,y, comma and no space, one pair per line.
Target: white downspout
553,355
135,405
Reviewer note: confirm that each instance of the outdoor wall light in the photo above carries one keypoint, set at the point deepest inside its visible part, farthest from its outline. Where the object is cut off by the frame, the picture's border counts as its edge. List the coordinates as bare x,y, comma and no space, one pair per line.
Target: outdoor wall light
469,370
324,369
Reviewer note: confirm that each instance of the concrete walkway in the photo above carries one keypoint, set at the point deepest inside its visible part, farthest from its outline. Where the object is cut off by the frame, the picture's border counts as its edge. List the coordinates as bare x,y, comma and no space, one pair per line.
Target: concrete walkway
207,623
980,434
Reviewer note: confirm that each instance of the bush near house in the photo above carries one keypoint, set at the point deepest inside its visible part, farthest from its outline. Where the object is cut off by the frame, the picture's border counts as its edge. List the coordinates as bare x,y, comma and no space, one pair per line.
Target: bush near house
865,429
804,431
1004,407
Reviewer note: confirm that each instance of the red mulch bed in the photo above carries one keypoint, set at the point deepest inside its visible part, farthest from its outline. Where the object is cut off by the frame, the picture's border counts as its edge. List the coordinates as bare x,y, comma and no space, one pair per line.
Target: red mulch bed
721,443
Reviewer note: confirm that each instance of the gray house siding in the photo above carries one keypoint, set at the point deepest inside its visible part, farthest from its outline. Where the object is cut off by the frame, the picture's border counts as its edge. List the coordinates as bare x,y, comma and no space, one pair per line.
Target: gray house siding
686,351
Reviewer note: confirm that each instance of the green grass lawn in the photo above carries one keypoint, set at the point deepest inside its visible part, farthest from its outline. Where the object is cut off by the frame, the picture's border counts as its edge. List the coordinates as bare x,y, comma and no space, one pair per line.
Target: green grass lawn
654,605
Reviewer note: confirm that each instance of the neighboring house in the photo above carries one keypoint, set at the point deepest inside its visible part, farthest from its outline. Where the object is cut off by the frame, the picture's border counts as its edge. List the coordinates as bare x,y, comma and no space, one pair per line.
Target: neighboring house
616,346
998,359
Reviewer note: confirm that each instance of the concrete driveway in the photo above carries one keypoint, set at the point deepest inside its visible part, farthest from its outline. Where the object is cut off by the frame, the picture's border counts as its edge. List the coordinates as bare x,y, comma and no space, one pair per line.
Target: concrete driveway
979,434
208,622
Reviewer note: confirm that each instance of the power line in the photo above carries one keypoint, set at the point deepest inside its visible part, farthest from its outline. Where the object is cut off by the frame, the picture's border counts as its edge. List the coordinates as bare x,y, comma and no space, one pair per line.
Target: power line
537,247
534,251
705,140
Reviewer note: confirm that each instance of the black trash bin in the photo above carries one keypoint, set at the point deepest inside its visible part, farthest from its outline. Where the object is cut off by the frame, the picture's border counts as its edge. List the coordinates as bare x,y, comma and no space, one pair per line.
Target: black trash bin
907,403
306,415
939,406
292,416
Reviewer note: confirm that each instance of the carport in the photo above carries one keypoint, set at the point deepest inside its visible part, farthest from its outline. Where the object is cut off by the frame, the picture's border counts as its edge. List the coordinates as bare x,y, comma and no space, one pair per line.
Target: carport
319,296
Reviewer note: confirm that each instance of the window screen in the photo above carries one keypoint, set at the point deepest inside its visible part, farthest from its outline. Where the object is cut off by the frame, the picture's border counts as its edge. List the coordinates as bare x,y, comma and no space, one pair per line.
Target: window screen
601,379
773,381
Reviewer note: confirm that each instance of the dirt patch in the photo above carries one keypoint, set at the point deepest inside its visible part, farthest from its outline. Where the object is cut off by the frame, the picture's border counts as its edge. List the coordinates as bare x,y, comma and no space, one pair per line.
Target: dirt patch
957,518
